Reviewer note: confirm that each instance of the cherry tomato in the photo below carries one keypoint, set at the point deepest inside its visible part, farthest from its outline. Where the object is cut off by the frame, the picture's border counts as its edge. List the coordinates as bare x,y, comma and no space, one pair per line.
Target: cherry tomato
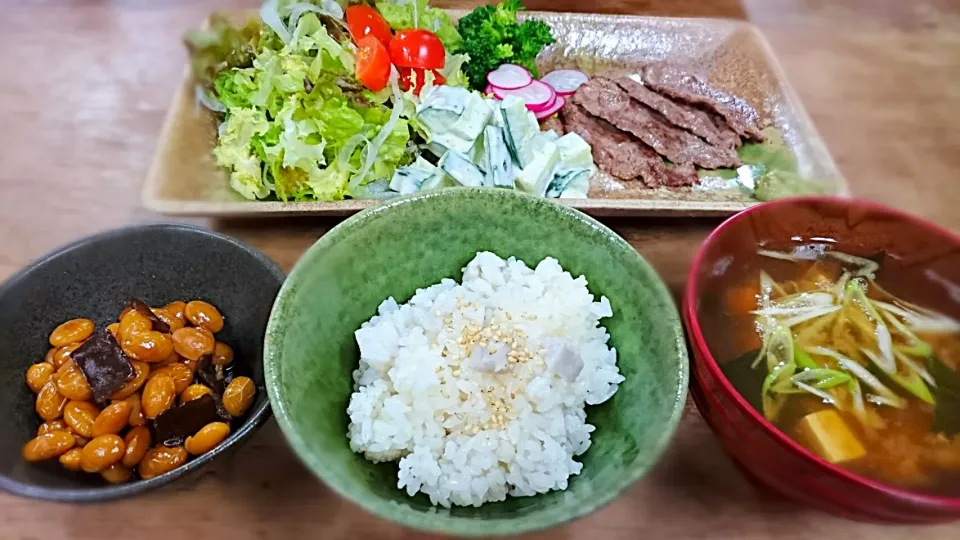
365,20
373,63
407,74
417,48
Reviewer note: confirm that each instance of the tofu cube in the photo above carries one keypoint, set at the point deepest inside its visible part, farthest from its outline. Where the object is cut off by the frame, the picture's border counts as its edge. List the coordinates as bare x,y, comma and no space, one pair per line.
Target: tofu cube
827,435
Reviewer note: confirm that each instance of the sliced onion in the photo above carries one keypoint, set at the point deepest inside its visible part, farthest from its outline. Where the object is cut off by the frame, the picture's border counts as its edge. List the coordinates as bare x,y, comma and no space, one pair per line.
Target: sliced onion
887,367
208,101
559,103
880,330
856,396
937,326
767,287
509,77
536,94
815,391
881,400
782,256
859,372
373,148
326,7
810,315
897,310
270,15
841,284
347,150
916,368
785,311
866,266
565,81
804,300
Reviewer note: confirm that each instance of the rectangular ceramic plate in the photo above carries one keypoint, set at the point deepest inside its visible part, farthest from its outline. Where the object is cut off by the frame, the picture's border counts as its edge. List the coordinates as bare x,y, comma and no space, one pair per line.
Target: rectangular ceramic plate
733,56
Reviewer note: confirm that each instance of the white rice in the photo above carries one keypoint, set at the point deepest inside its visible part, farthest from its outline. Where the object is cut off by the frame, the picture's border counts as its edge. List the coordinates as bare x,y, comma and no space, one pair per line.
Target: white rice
468,432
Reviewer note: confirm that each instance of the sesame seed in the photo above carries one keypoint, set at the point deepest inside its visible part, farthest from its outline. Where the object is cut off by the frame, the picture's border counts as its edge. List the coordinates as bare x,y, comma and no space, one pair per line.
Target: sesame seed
456,373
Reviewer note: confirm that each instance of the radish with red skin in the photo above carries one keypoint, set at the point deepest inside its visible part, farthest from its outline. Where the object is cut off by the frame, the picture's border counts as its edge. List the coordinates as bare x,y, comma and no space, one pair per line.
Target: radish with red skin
565,81
544,106
536,94
509,77
550,111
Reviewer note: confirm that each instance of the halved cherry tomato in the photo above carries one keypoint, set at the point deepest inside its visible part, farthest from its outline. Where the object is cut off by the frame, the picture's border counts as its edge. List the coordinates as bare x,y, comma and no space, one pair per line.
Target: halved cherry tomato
407,76
417,48
373,63
365,20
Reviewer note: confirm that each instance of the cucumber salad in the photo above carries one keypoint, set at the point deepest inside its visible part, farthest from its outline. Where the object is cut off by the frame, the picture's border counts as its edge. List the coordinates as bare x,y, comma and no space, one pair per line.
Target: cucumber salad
483,142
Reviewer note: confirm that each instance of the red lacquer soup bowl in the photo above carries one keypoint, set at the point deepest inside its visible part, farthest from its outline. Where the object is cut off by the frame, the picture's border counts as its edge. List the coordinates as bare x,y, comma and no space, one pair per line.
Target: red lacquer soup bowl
926,261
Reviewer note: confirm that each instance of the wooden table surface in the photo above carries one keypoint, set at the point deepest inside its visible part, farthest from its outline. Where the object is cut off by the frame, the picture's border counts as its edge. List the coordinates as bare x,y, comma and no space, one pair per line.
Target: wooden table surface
84,85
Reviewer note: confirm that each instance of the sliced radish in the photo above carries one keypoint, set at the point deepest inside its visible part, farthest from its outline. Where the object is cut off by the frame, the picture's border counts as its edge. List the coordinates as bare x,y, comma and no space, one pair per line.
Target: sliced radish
544,106
548,112
509,77
565,81
488,90
535,94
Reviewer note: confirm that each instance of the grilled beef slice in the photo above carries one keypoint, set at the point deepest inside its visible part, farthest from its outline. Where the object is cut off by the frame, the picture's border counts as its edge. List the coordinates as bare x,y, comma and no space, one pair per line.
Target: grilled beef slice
682,86
699,122
602,97
621,155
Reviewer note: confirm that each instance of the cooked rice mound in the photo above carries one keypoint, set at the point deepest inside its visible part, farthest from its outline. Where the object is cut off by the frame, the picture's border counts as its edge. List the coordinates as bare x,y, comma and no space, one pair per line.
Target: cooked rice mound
479,388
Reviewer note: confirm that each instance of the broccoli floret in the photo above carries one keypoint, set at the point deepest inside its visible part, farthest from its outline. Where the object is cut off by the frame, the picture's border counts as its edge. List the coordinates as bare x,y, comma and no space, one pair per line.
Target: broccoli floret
492,37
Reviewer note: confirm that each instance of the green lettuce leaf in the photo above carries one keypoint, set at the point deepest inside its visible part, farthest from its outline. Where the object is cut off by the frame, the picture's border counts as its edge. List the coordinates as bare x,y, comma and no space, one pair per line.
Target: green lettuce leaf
339,121
234,151
291,110
400,16
234,87
453,70
221,47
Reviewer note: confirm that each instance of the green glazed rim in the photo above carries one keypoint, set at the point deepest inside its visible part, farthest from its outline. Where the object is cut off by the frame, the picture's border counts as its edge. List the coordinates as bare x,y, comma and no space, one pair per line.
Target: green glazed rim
438,522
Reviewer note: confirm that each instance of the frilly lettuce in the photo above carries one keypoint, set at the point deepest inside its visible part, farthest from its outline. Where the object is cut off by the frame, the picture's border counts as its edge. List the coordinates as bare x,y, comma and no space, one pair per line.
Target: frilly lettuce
403,14
289,113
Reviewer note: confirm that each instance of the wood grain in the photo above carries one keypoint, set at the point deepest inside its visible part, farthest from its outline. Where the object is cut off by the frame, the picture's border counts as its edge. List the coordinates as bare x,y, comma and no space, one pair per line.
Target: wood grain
83,91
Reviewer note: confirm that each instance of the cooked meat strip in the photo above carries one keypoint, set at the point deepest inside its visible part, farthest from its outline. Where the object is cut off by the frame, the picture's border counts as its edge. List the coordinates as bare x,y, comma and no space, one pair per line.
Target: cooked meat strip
673,82
680,175
682,115
602,97
553,123
622,155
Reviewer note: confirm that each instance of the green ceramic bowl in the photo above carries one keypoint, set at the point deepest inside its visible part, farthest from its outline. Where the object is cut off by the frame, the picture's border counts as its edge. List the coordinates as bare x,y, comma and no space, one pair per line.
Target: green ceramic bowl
394,249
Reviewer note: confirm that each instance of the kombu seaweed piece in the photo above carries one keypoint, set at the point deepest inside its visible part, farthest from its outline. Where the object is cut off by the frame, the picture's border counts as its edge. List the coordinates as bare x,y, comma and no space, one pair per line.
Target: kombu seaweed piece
946,417
145,310
210,375
748,381
173,426
104,365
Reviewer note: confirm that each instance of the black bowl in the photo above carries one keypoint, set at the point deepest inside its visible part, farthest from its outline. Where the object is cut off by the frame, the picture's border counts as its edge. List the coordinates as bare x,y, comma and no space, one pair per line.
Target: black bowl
95,278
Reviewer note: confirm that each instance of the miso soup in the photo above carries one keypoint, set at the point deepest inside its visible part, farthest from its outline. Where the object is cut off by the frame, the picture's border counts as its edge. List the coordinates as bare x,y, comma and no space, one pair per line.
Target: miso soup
866,380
